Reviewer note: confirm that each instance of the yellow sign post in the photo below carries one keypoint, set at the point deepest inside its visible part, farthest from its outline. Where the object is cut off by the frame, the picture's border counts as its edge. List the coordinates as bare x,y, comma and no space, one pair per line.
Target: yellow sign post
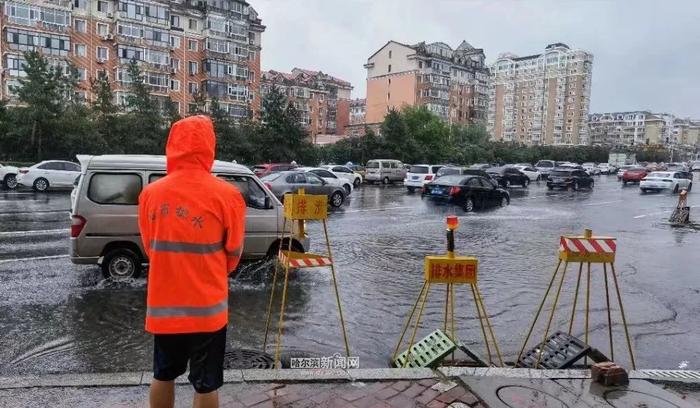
301,207
586,249
449,270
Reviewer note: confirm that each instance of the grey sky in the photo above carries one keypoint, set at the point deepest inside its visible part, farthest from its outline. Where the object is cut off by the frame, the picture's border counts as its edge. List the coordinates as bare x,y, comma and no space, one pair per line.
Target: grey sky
646,53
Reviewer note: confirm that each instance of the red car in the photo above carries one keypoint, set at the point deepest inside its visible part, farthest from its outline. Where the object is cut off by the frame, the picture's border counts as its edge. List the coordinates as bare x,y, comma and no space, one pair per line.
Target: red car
262,170
634,175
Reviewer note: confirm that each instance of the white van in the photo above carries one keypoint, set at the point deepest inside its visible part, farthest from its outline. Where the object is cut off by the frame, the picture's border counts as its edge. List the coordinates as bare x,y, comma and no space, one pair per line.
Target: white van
104,212
385,171
419,175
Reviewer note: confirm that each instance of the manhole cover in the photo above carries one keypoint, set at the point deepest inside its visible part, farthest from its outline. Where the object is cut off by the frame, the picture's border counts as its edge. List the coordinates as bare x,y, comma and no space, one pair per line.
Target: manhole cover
242,359
635,399
517,396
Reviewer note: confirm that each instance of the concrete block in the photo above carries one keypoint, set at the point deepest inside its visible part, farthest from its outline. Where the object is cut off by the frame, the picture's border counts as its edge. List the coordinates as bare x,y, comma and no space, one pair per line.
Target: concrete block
293,375
388,374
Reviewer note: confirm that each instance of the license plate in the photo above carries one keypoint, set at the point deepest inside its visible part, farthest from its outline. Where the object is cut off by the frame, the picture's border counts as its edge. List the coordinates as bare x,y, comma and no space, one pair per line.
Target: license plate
416,177
438,191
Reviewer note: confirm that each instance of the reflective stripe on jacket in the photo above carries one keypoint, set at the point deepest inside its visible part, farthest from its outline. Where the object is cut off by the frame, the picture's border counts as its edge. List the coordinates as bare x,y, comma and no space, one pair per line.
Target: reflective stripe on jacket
192,227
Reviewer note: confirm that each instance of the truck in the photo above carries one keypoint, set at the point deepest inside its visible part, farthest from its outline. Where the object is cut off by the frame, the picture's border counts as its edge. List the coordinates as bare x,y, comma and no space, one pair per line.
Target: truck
621,159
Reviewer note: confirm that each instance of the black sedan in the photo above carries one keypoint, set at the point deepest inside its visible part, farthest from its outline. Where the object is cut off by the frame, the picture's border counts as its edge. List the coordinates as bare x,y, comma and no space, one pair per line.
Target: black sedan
469,192
568,178
509,176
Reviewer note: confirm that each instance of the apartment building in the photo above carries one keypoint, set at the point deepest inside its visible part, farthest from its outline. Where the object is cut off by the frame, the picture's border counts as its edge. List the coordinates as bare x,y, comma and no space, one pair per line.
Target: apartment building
322,100
452,83
641,128
541,99
184,48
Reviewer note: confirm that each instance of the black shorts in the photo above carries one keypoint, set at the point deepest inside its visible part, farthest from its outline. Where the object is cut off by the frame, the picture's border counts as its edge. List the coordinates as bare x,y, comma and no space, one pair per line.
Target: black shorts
204,351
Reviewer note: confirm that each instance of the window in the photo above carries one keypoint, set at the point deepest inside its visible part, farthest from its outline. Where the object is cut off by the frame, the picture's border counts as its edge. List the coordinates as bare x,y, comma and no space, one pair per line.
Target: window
82,74
175,85
389,67
313,179
80,26
80,4
175,21
102,29
175,64
103,6
192,107
192,24
174,41
193,87
389,54
251,191
102,53
80,50
192,45
115,188
192,67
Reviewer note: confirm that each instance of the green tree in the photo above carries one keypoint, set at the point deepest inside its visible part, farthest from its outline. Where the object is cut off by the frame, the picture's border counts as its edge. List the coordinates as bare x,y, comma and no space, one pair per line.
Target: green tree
144,125
281,129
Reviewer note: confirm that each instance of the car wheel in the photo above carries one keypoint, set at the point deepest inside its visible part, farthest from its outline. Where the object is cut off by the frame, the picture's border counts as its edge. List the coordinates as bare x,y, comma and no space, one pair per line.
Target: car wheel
675,189
385,181
468,205
337,199
574,186
526,182
539,178
121,264
506,184
690,186
357,182
10,181
504,202
41,184
411,189
591,185
348,189
644,190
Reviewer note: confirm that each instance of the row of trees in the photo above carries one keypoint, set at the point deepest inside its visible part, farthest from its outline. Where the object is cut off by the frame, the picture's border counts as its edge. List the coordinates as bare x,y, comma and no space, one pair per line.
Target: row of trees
49,122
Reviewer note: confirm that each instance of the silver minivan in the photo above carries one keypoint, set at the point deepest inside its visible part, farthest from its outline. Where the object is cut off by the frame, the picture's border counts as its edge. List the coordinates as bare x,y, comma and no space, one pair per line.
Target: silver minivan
104,212
385,171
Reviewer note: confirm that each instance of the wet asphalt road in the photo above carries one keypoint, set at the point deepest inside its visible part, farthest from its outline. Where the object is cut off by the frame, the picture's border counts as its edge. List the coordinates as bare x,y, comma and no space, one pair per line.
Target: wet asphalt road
58,317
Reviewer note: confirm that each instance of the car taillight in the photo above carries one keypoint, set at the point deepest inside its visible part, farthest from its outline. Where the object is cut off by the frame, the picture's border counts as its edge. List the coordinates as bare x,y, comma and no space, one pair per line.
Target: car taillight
454,190
77,224
429,177
24,171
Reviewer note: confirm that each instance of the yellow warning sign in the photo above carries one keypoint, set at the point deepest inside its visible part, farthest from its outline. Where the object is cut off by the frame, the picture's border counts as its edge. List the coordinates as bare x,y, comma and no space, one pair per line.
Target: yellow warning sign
305,207
445,269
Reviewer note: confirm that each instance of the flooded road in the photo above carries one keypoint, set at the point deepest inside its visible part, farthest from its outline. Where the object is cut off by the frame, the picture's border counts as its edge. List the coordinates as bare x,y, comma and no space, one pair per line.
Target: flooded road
58,317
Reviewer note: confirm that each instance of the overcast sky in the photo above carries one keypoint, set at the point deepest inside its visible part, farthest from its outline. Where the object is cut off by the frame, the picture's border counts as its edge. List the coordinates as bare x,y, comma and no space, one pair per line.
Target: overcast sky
646,53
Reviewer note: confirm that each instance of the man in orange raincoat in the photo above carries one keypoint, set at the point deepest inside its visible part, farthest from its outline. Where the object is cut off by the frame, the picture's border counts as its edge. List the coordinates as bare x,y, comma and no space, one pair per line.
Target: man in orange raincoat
192,227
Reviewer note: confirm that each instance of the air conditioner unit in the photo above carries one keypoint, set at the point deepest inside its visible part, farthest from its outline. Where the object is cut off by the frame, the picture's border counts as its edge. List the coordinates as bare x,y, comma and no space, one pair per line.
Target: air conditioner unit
101,60
110,37
110,15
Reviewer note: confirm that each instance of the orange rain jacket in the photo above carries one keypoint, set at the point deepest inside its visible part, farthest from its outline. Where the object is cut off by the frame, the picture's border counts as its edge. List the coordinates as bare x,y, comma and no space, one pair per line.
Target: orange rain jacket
192,227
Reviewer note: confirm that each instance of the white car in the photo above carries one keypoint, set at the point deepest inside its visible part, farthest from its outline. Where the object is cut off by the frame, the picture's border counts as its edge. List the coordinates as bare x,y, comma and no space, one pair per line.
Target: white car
329,177
605,168
344,172
591,169
665,180
530,171
419,175
49,174
622,170
695,166
8,176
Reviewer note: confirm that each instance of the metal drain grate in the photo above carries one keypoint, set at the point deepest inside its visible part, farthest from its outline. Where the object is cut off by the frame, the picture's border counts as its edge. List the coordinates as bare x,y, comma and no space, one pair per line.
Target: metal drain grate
428,352
559,351
242,359
681,375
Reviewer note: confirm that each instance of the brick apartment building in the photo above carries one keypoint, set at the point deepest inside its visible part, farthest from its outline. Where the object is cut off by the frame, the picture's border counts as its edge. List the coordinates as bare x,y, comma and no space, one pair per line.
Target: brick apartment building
322,100
541,99
183,47
452,83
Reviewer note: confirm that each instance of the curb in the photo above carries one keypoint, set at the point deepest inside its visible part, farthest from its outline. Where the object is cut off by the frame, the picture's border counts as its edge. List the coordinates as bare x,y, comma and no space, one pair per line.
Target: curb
143,378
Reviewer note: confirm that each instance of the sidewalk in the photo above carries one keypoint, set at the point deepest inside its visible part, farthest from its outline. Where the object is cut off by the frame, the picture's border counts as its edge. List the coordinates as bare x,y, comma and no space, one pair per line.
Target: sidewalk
451,387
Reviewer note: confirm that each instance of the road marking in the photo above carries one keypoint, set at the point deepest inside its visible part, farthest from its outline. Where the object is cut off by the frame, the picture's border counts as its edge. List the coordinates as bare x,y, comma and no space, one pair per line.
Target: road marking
375,209
650,214
35,232
36,258
603,203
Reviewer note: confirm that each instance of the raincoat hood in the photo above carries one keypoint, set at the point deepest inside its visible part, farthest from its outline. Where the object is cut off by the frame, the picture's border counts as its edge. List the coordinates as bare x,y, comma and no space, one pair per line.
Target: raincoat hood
191,144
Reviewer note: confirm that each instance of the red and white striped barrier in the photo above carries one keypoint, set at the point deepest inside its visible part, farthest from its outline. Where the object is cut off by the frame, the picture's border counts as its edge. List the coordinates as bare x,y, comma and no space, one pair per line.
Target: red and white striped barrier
308,261
588,245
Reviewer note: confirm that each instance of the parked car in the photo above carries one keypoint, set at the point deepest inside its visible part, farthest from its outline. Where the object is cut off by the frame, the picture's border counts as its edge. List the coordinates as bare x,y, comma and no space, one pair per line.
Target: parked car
262,170
623,169
654,167
49,174
385,171
672,181
568,178
291,181
346,173
452,170
695,166
634,175
104,212
606,168
530,171
480,166
468,191
545,167
419,175
676,167
591,169
687,174
8,176
330,178
508,176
